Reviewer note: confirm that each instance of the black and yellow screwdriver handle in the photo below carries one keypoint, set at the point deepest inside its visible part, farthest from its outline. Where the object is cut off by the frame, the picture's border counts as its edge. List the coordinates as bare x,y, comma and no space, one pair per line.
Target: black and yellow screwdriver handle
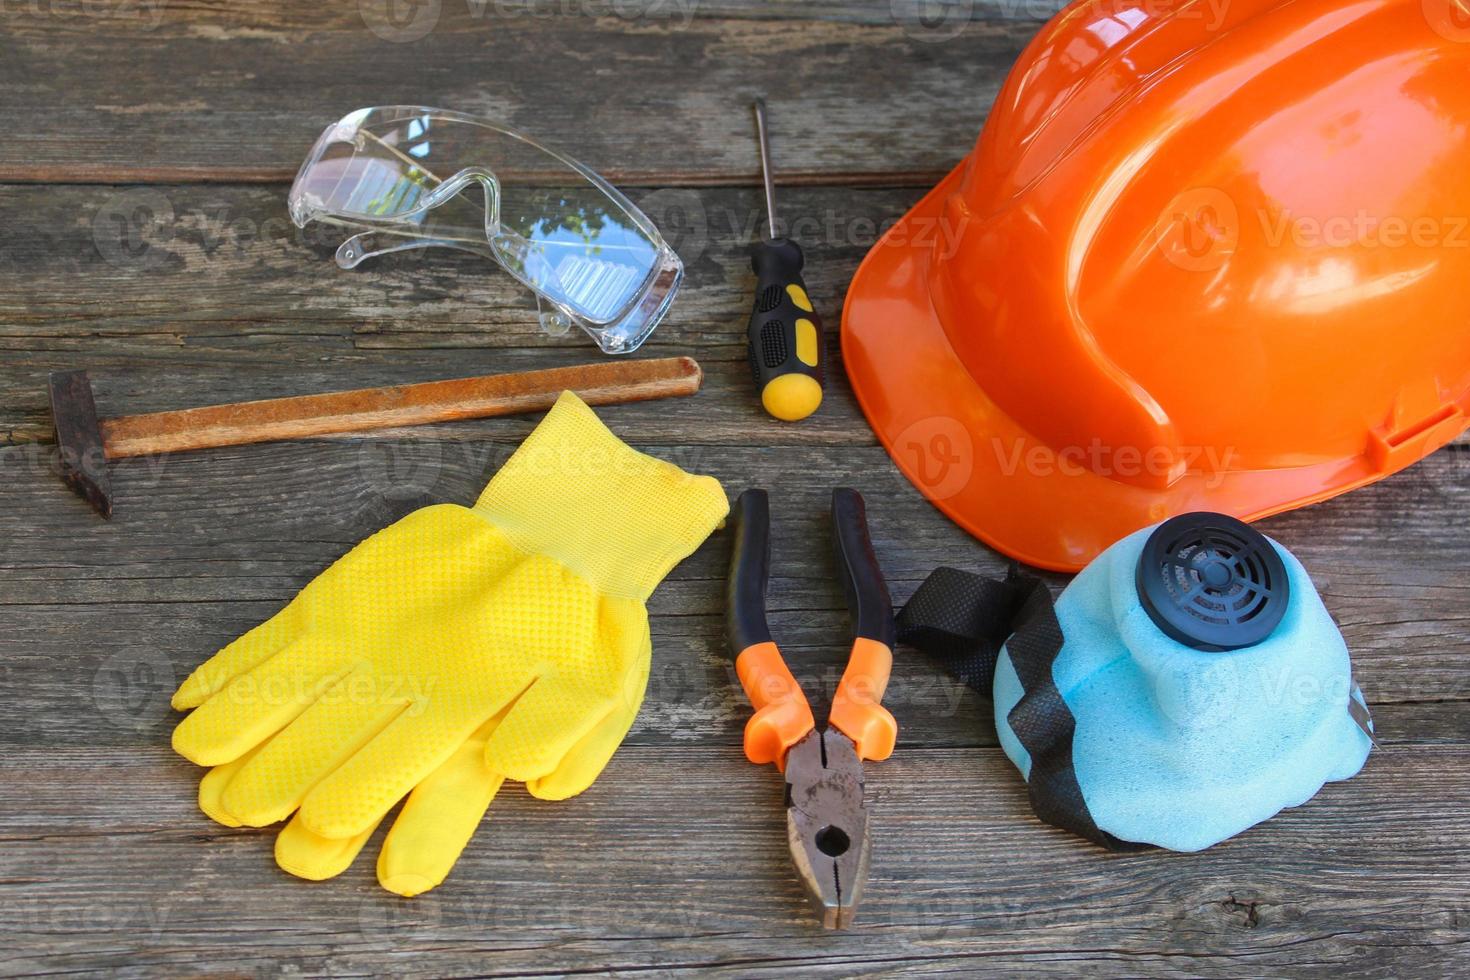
785,333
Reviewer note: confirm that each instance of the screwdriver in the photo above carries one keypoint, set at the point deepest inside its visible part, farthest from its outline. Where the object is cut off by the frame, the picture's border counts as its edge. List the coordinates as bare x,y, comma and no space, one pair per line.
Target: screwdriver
785,333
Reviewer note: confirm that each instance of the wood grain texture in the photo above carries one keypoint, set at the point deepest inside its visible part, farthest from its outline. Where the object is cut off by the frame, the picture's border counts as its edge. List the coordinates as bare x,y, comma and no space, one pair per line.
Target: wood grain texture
598,885
262,79
674,859
173,296
177,280
181,295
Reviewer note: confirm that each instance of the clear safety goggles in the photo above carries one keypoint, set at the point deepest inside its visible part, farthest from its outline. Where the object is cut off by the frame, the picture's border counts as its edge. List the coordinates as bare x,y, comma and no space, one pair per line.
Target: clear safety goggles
406,177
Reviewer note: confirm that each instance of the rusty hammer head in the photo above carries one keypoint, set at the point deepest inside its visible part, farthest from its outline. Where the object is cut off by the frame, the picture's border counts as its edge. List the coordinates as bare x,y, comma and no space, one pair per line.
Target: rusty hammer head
79,439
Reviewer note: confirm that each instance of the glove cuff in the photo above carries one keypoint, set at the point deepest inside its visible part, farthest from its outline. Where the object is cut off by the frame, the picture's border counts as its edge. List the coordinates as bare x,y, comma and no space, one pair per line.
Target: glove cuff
619,518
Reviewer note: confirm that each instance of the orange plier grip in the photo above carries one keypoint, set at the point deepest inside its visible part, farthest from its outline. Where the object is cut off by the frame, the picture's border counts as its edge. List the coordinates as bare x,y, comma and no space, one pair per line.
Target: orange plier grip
782,715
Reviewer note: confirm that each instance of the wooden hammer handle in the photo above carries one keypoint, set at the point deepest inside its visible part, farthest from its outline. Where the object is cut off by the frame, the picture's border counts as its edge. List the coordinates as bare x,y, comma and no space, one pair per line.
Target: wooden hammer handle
602,383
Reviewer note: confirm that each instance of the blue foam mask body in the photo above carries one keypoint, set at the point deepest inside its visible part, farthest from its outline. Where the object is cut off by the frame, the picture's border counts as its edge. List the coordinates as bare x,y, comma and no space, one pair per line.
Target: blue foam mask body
1182,747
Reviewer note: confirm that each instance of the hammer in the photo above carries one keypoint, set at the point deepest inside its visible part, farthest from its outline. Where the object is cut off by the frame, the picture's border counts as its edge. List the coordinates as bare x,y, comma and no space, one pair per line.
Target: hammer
86,442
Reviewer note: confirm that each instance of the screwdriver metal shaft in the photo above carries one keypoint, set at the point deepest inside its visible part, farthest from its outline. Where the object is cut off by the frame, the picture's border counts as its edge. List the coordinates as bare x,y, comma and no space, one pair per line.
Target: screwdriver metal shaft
770,182
785,333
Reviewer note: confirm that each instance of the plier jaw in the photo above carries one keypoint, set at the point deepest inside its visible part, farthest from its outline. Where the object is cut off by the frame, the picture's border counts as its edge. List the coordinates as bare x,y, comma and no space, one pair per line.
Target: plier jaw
827,824
826,814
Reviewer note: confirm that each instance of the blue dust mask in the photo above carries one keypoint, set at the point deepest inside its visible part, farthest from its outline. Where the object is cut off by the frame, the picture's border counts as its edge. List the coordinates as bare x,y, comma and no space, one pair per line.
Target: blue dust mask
1187,684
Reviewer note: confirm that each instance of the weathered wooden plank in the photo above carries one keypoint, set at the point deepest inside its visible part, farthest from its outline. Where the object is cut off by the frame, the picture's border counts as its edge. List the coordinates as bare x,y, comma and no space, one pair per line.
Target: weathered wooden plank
689,868
187,295
182,296
102,676
292,21
207,544
859,91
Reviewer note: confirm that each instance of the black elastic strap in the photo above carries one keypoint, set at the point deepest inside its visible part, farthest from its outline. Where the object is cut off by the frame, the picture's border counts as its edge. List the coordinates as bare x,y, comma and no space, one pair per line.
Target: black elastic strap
962,620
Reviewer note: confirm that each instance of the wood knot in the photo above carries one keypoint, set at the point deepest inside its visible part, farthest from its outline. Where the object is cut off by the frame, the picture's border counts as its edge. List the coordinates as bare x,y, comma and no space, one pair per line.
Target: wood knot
1247,911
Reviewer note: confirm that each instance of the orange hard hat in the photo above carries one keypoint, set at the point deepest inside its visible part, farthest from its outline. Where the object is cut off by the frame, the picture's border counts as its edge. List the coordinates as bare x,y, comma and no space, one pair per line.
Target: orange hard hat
1203,257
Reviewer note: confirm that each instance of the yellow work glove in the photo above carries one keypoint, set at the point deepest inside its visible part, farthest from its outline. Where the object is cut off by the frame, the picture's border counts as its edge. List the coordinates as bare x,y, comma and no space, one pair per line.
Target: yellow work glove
433,828
455,648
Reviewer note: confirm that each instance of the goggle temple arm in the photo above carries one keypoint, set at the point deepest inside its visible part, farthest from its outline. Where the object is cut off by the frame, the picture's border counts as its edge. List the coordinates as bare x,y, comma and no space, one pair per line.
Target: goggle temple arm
364,245
369,244
555,321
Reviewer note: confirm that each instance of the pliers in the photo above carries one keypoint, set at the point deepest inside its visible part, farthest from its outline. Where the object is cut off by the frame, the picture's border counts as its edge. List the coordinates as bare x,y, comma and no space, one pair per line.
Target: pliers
826,815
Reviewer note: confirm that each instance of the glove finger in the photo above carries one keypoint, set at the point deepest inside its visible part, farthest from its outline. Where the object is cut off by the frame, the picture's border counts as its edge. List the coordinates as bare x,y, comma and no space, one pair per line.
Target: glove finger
256,705
367,785
541,728
240,657
585,761
439,819
582,765
280,774
212,790
313,857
